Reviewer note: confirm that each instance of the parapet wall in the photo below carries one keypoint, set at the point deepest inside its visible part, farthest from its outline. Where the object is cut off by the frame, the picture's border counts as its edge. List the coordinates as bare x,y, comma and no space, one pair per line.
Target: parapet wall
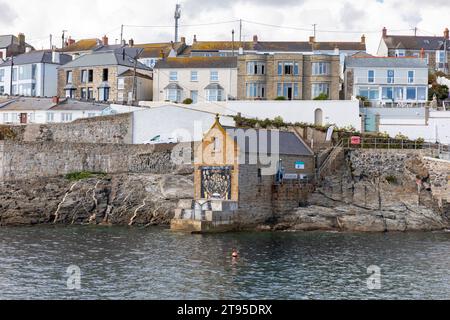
109,129
25,160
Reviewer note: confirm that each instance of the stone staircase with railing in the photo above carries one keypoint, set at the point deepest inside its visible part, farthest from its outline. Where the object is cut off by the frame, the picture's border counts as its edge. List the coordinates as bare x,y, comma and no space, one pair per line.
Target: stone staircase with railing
334,160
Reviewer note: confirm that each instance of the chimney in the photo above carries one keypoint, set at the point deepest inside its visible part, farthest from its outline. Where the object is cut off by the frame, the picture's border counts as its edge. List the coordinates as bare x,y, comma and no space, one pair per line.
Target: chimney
195,38
21,38
161,54
70,41
446,34
183,40
363,39
131,43
312,40
56,57
172,44
105,40
255,39
55,100
422,53
384,32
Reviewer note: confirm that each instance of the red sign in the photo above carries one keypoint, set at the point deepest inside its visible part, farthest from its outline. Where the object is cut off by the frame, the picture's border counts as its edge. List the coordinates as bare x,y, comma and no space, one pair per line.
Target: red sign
356,140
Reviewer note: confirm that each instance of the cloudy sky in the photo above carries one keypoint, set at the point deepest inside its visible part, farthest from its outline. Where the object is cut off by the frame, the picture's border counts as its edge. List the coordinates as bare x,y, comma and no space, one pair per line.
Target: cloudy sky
340,20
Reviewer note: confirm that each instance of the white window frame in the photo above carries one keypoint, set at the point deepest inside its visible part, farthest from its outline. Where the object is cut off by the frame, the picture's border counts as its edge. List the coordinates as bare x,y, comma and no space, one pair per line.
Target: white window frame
194,76
413,78
50,117
173,76
214,76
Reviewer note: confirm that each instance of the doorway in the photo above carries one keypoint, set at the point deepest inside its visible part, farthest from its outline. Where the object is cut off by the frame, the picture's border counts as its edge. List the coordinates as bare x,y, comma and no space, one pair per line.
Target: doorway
23,118
318,117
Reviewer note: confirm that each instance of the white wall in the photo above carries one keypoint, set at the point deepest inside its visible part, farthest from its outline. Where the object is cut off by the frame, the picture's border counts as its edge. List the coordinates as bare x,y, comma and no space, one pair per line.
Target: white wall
40,116
161,79
172,121
438,128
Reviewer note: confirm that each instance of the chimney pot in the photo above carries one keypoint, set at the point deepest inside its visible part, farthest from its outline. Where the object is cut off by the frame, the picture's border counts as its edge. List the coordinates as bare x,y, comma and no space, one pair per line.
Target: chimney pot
312,40
183,40
446,33
55,100
363,39
131,43
255,38
195,38
384,32
105,40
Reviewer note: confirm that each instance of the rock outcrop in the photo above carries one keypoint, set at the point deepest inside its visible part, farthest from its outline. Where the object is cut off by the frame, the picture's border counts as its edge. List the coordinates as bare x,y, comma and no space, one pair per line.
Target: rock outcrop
124,199
375,192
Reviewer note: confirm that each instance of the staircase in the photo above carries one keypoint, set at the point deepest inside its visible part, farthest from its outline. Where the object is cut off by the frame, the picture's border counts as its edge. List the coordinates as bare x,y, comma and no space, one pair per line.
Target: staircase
331,163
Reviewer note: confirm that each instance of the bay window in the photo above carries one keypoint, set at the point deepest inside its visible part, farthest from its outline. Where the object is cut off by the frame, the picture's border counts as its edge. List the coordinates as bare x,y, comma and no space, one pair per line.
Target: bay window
320,68
320,88
387,93
256,90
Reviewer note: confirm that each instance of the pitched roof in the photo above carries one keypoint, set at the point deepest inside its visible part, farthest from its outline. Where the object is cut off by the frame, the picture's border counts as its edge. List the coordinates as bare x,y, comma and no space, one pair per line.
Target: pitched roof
6,41
42,56
79,106
391,62
107,58
415,42
197,62
130,73
22,104
289,142
82,45
275,46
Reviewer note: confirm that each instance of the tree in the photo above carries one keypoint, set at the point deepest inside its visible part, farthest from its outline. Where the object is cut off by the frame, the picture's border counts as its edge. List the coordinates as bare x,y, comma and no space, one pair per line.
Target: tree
441,92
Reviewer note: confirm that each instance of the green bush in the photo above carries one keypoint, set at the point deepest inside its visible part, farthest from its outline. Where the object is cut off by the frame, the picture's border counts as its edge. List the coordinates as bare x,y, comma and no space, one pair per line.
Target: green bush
322,96
391,179
77,176
281,98
188,101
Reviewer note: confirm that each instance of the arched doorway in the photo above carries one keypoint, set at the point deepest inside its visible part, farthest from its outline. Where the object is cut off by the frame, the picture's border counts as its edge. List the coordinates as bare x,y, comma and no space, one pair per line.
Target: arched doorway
318,117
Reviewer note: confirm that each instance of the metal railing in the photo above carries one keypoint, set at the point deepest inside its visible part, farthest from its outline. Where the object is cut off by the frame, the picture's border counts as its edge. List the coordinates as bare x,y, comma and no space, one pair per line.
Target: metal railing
391,143
393,104
331,156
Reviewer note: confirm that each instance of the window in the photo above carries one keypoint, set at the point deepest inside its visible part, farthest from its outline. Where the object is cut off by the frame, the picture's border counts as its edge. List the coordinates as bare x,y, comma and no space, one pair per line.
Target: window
14,89
410,76
320,68
194,76
390,76
421,93
296,69
91,76
105,75
83,93
280,69
320,88
399,94
214,95
440,56
256,90
66,117
14,74
5,117
256,68
173,95
90,94
371,76
387,93
400,53
103,94
288,68
50,117
120,96
411,93
70,93
214,76
194,96
173,76
33,71
84,76
216,144
121,83
2,89
2,75
371,93
69,77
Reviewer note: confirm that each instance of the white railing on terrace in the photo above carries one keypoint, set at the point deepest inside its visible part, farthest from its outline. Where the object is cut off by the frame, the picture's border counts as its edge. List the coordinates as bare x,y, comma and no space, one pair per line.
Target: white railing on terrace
398,144
393,104
392,81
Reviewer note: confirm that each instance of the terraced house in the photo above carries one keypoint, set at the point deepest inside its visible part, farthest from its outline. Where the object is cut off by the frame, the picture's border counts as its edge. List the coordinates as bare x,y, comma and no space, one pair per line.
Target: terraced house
435,49
105,76
290,76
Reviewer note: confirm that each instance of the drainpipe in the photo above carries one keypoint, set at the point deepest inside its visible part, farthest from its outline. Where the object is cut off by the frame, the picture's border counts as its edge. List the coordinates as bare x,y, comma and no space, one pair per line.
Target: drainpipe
43,79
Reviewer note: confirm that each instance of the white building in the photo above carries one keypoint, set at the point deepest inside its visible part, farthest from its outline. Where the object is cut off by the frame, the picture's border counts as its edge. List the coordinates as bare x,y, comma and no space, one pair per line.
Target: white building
341,113
201,79
387,81
32,74
44,110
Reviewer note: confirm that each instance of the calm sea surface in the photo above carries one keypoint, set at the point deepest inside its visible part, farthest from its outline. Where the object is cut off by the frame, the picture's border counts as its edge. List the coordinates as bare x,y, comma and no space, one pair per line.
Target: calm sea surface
123,263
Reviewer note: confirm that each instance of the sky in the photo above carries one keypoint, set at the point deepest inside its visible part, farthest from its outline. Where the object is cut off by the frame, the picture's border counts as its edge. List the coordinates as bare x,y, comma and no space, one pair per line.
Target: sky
152,20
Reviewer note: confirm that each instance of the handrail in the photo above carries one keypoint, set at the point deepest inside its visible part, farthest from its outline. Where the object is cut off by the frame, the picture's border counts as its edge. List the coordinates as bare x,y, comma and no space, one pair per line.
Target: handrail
333,152
391,143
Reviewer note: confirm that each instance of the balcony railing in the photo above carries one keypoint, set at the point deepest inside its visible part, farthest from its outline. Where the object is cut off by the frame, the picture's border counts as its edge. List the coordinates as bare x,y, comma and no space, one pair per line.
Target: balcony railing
391,81
393,104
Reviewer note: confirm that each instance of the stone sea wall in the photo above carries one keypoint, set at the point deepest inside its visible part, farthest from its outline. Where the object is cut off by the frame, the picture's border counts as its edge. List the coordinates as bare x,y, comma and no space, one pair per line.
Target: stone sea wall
109,129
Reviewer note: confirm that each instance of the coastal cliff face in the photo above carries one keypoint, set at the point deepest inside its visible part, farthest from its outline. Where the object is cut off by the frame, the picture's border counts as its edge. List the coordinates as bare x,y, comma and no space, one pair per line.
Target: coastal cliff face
123,199
377,191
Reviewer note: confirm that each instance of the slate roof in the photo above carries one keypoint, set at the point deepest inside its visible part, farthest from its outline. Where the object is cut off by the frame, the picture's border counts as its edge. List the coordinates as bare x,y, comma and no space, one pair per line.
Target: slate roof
108,58
130,73
197,62
289,142
74,105
275,46
83,45
6,41
415,42
42,56
22,104
382,62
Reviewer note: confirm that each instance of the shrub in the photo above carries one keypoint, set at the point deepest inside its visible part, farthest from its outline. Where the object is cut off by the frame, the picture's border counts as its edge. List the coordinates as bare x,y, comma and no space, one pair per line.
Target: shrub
188,101
322,96
278,122
281,98
77,176
391,179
